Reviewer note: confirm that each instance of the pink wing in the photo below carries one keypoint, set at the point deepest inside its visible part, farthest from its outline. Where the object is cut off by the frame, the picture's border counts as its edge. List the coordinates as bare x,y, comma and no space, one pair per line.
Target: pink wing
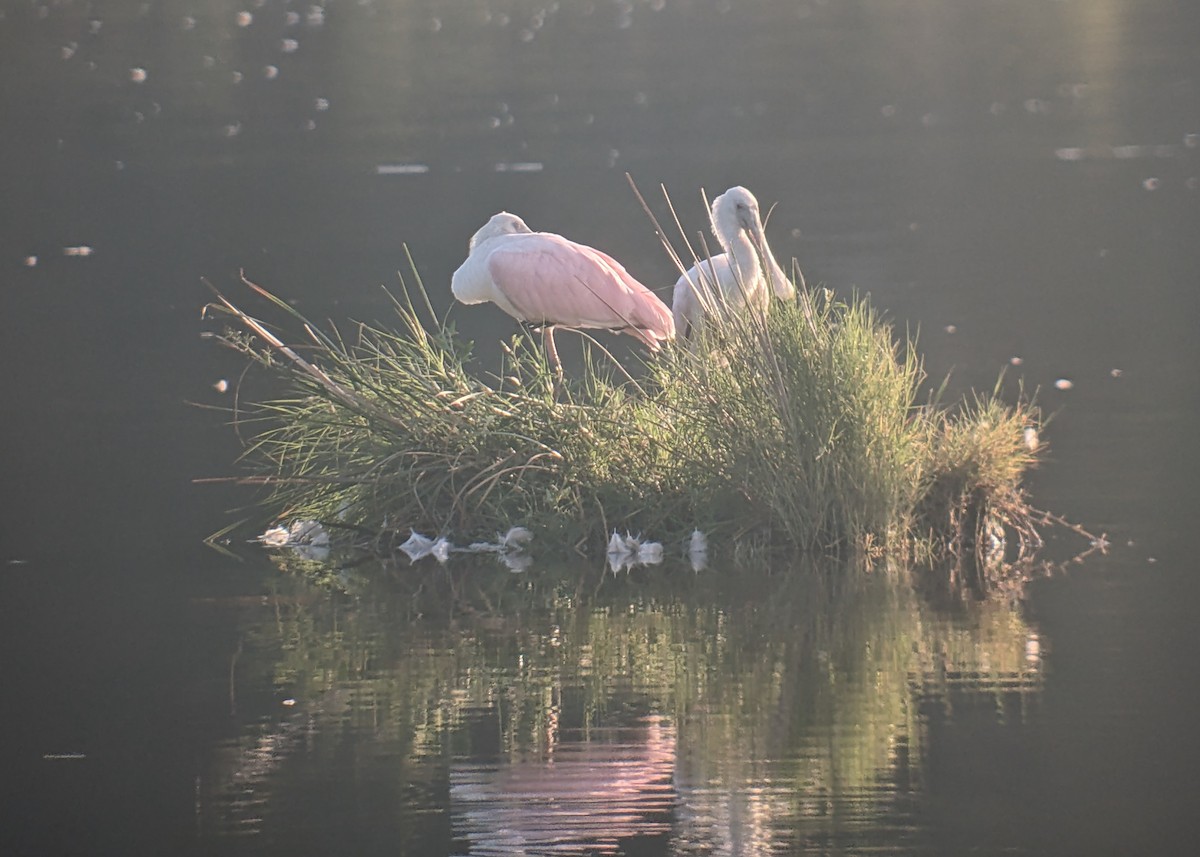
651,318
549,279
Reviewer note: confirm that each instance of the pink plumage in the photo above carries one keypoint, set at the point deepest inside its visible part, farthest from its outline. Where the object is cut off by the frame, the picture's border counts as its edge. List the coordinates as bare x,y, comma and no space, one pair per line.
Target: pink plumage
545,279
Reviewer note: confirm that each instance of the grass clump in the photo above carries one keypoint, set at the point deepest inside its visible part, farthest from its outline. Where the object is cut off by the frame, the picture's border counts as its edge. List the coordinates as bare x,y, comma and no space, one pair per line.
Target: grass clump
392,430
802,423
970,503
798,428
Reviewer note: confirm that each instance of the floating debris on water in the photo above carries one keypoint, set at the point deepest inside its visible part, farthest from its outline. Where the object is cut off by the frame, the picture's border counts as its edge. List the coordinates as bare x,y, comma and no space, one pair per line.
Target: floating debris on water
244,19
1116,373
513,540
221,386
516,537
1151,183
289,46
289,702
63,757
440,550
519,167
1064,384
952,328
509,547
1015,361
628,551
697,552
30,261
1120,153
515,561
1070,153
650,553
308,539
619,561
401,169
137,75
619,554
276,537
418,546
79,250
1030,436
1127,153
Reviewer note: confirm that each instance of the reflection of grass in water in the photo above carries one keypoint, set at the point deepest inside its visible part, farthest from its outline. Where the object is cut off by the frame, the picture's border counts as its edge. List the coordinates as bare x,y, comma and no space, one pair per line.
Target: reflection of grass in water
803,429
806,679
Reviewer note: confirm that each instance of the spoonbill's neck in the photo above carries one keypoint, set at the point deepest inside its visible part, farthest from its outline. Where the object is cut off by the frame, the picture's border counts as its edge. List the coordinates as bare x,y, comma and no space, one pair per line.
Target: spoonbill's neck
744,255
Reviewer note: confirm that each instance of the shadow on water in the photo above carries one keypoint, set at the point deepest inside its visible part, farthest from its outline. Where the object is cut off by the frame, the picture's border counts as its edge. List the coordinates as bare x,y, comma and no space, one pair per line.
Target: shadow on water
569,711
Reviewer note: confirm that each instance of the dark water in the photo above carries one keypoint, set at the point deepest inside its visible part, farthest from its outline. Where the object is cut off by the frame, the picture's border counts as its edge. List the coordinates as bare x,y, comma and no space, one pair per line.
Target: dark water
1022,173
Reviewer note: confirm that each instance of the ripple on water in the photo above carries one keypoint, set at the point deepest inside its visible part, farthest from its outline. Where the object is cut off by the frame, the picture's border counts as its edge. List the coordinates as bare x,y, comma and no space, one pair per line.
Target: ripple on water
588,795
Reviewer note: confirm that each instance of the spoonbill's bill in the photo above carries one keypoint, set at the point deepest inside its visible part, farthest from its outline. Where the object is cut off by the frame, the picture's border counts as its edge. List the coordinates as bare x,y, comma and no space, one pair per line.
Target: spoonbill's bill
545,280
743,276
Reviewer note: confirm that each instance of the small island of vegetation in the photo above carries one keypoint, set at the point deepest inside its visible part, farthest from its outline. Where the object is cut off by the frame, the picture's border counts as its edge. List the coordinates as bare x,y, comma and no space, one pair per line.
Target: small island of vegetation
801,429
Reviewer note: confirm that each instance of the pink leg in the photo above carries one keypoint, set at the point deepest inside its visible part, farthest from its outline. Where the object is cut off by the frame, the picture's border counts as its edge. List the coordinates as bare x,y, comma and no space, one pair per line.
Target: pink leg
552,351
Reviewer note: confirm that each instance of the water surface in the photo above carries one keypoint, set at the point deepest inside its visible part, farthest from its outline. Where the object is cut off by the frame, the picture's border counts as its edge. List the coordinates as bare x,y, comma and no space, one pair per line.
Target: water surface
1021,173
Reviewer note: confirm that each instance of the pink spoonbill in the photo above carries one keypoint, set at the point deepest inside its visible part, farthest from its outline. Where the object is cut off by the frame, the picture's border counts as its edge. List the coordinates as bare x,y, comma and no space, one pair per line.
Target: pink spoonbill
742,276
547,281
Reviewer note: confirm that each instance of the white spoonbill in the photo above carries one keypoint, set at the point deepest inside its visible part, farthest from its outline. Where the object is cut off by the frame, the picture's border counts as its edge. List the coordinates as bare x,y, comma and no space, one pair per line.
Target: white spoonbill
545,280
739,277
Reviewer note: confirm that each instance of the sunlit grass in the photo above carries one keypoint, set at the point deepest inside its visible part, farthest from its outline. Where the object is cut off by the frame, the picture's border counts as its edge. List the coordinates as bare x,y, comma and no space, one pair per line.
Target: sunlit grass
808,429
802,428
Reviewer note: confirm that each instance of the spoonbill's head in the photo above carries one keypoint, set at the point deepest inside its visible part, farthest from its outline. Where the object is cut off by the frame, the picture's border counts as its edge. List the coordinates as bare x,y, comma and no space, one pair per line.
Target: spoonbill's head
736,211
499,224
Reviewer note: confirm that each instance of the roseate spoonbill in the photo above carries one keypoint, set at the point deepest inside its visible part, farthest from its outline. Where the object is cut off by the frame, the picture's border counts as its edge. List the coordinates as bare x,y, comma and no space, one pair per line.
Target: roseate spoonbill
545,280
739,277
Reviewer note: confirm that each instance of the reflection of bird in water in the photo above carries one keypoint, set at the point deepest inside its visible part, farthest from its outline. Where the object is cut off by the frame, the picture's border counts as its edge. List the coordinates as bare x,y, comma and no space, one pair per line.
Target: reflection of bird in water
608,786
742,276
545,280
